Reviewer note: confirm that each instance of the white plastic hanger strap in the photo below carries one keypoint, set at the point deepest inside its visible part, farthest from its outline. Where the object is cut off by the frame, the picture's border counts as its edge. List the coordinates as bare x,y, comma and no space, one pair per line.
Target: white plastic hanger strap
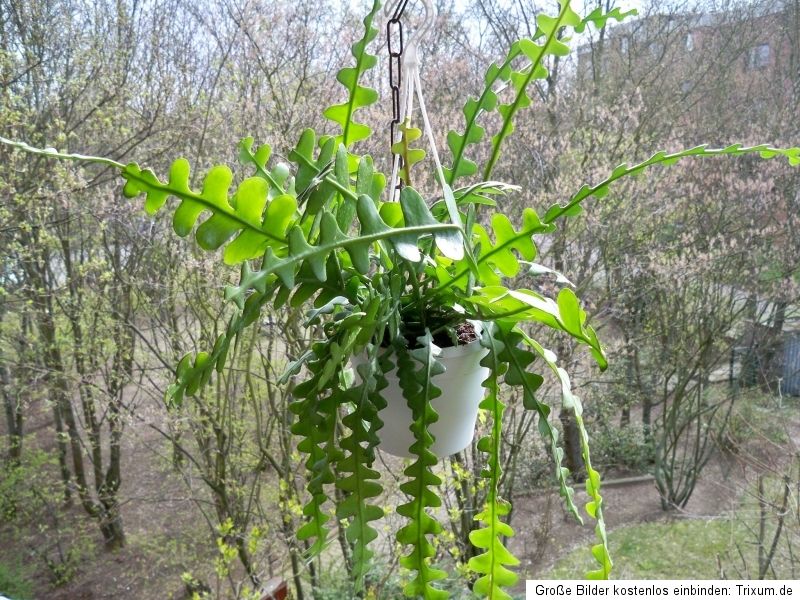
411,85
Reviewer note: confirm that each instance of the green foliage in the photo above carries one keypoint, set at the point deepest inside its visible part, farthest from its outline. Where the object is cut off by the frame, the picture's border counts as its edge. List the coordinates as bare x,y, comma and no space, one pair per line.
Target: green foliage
256,224
381,280
359,484
623,447
725,545
316,411
548,28
498,259
600,190
502,75
418,390
752,419
358,96
411,156
708,548
15,582
692,546
514,306
519,359
259,158
382,581
30,494
26,488
474,133
594,507
335,584
598,18
493,562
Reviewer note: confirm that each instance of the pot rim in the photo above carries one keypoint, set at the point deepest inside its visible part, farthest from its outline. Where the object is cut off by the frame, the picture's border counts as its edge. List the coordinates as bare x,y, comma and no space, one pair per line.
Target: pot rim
448,352
465,349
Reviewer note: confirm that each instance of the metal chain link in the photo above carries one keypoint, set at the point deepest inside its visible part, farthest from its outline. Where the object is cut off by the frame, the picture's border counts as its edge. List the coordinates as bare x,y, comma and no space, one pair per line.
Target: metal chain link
394,33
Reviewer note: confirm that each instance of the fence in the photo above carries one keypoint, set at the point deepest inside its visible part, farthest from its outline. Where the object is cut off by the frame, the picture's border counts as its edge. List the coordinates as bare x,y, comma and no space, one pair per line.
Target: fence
790,375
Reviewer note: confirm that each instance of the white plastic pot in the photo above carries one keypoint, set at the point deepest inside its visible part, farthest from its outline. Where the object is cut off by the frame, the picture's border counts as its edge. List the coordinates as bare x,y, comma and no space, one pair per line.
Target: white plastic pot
457,407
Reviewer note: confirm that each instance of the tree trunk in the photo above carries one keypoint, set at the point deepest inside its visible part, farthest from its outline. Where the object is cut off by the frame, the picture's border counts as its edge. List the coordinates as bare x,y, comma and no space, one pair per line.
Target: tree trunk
773,350
748,369
58,386
630,381
647,419
572,435
111,527
121,373
109,523
572,445
65,415
61,445
14,415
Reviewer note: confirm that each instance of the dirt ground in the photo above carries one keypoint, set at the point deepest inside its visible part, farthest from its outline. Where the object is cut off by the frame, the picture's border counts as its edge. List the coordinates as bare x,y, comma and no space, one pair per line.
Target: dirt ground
165,531
539,545
545,532
167,534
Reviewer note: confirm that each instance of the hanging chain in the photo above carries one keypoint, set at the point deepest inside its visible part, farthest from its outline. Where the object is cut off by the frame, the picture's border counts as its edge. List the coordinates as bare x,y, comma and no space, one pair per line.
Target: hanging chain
394,40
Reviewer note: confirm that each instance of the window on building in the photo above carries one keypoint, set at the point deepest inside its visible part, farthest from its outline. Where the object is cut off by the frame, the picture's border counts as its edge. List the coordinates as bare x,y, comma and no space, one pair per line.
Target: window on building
686,86
689,41
758,58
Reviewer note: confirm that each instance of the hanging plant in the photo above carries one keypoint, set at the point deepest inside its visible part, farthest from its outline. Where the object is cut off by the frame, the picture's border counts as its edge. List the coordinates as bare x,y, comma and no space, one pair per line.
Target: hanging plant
403,290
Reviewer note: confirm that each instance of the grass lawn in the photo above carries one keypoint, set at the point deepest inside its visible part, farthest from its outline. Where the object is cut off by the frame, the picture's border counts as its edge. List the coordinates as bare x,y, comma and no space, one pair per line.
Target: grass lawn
680,549
694,548
14,582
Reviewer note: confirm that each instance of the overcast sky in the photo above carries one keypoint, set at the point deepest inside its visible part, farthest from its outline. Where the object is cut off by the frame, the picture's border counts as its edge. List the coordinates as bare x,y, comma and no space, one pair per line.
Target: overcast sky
416,6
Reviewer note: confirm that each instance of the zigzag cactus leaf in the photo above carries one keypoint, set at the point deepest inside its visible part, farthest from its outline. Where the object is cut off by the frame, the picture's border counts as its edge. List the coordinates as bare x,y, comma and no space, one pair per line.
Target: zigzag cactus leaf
473,132
191,376
488,101
599,18
368,181
358,483
410,156
571,402
194,373
243,214
346,210
358,96
316,407
493,563
417,214
548,28
518,360
500,253
324,236
331,238
277,177
792,155
415,370
312,184
513,306
595,506
280,212
259,158
320,190
303,156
